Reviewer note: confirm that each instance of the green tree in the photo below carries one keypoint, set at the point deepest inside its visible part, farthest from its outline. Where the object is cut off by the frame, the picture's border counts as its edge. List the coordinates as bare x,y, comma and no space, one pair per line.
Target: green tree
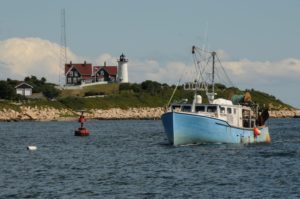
36,83
6,90
136,88
151,87
11,82
43,80
50,91
124,86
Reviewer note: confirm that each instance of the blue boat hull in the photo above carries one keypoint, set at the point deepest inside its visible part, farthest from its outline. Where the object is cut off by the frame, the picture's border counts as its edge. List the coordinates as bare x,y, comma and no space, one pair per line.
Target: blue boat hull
185,128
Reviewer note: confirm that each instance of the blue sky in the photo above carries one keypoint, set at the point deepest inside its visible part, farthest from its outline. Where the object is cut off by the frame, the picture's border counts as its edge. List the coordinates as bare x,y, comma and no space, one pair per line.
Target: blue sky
258,40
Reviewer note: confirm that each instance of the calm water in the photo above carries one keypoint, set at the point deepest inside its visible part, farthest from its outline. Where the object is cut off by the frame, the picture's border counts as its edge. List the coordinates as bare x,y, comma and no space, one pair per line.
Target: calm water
131,159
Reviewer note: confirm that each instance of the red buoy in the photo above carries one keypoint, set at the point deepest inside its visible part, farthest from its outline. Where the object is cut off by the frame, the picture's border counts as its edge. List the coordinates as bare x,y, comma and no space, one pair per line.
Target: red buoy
256,132
81,131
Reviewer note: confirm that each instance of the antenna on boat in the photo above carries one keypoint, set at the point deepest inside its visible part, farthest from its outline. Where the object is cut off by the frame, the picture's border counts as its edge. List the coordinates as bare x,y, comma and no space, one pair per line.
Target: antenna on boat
213,70
211,96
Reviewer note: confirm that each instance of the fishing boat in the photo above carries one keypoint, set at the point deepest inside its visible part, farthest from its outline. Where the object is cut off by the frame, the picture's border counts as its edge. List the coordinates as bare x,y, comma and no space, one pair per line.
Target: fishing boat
235,120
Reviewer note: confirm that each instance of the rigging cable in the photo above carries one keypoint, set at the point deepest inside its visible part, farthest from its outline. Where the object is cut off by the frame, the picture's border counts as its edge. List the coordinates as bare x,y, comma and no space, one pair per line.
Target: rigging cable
229,80
184,72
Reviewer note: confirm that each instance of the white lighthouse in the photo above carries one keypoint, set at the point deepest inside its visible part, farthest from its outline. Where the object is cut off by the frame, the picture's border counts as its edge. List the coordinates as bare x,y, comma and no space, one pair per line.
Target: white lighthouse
122,69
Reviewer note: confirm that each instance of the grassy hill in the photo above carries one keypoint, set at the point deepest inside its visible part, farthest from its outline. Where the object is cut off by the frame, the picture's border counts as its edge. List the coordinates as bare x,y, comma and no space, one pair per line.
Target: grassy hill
151,94
101,89
146,94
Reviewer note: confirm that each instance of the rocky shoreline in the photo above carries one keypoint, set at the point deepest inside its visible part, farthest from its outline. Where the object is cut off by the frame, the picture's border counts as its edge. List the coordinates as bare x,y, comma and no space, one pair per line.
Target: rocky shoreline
285,114
52,114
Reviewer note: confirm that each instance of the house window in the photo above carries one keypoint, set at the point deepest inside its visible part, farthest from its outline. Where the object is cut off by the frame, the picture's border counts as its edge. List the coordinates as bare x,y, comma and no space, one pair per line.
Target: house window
71,73
75,74
102,72
76,80
112,79
69,80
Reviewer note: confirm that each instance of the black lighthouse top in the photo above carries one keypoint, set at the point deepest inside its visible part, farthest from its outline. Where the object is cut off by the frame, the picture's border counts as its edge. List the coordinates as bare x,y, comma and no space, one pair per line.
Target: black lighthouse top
123,58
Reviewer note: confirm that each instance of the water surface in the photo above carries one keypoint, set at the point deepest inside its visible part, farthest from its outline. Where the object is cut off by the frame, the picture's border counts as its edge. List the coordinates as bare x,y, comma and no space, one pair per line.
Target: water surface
132,159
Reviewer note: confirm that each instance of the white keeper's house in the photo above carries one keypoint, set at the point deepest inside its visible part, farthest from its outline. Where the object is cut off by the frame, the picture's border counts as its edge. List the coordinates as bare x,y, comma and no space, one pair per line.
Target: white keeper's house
24,89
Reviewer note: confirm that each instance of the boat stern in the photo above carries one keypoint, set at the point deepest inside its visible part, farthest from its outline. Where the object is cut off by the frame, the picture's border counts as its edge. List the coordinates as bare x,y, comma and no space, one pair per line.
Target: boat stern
264,135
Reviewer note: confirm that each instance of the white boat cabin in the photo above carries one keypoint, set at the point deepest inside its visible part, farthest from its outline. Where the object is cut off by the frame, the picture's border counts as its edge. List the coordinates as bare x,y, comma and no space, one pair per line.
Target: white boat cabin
234,115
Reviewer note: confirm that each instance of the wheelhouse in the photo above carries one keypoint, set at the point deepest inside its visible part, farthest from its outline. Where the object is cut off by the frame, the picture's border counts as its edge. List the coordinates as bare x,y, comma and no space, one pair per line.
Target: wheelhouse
235,115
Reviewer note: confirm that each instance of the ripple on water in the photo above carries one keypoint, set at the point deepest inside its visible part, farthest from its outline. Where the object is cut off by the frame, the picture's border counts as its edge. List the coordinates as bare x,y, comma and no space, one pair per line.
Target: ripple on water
132,159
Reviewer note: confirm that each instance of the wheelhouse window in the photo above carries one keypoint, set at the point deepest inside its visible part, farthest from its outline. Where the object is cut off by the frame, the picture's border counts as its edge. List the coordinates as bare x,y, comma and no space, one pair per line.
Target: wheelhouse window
211,109
186,108
175,107
246,118
222,110
229,111
200,108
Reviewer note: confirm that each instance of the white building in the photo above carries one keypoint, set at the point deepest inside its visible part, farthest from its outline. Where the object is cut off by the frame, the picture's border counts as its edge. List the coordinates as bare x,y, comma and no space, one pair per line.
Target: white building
122,69
24,89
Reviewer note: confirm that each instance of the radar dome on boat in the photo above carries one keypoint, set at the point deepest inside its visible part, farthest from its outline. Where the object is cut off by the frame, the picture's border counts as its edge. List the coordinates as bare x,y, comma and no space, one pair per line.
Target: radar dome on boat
222,101
199,99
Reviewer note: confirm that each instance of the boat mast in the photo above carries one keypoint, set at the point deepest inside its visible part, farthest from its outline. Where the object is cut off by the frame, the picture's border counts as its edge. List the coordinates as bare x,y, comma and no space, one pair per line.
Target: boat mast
195,93
213,72
198,66
211,96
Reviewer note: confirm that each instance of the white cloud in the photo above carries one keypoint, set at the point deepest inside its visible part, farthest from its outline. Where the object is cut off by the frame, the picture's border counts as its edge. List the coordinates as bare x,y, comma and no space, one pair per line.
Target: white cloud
21,57
223,55
106,57
264,72
241,71
152,70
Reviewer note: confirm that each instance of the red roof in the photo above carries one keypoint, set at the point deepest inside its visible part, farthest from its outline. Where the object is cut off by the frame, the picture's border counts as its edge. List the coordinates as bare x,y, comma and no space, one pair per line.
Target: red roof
111,70
83,69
